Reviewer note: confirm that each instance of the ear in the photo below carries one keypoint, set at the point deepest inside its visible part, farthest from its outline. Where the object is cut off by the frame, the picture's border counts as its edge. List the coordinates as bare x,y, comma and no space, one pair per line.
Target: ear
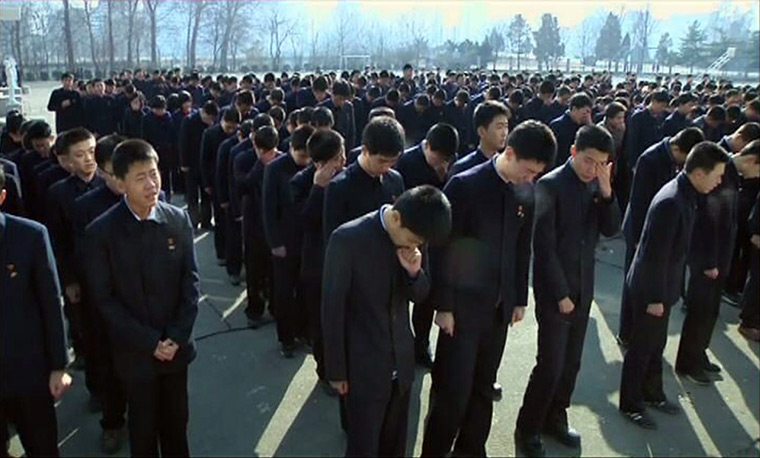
121,186
3,195
573,150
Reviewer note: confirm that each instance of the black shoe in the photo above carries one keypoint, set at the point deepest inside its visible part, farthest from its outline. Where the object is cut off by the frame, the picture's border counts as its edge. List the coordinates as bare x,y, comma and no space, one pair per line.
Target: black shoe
530,444
111,440
288,351
564,434
731,299
711,368
696,376
496,392
221,262
235,280
664,406
423,357
328,389
622,343
640,419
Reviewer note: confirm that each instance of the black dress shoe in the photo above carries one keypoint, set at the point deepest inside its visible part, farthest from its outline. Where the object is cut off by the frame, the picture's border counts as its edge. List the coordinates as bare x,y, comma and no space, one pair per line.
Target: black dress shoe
711,368
288,350
423,357
564,434
530,444
496,392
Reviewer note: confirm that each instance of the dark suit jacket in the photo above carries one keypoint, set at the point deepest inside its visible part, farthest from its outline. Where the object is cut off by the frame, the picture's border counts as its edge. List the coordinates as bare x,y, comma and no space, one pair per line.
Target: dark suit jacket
190,136
655,168
345,123
564,129
365,310
159,133
471,160
308,200
70,117
223,169
643,131
210,141
144,278
674,123
570,215
657,269
32,342
484,264
353,193
280,220
415,170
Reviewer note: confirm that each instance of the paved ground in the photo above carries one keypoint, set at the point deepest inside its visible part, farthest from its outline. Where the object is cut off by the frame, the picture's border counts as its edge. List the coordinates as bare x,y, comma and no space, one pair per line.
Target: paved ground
246,400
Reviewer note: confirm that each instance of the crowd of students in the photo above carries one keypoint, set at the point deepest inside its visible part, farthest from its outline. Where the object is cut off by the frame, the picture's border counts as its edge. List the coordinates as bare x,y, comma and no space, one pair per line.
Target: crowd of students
343,198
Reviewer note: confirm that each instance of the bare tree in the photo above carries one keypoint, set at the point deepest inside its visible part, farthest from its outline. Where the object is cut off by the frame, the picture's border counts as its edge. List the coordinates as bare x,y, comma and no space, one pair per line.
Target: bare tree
151,6
131,18
67,33
644,24
344,30
111,50
88,17
231,10
279,27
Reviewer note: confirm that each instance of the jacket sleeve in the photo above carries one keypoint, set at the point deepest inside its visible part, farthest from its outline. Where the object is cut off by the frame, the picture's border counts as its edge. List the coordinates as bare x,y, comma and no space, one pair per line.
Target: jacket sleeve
125,331
662,231
207,157
180,327
545,243
54,102
609,216
633,146
335,290
522,267
334,209
184,132
49,293
642,193
443,268
221,180
271,202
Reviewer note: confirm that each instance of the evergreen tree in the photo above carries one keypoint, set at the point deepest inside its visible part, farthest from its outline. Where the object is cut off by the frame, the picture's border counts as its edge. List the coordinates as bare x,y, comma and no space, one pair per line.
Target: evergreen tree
549,46
662,55
608,43
519,37
693,46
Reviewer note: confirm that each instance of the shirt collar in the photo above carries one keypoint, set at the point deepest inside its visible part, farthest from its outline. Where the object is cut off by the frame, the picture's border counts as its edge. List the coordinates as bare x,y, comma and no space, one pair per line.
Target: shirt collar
382,216
153,216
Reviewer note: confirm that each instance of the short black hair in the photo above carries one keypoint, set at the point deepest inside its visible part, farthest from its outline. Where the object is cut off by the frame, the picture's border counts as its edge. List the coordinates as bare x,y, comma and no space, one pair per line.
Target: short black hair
157,101
322,117
594,137
72,137
211,108
384,136
533,140
660,96
232,115
2,179
324,144
546,87
381,111
443,138
13,121
705,156
300,137
426,212
131,152
687,138
487,111
277,113
320,84
613,109
686,97
244,98
305,114
261,120
747,132
105,147
341,88
38,130
717,113
580,101
751,149
245,127
266,138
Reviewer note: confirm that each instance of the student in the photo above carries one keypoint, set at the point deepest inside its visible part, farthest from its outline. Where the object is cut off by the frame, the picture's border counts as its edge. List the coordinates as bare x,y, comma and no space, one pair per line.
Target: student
145,245
283,236
373,268
32,342
543,107
67,104
40,137
190,137
645,126
98,110
712,123
131,122
343,112
575,204
750,315
456,115
328,157
414,116
678,120
659,164
99,359
77,148
210,140
12,136
480,287
353,154
249,172
157,129
712,246
614,122
491,120
370,181
427,163
655,277
566,126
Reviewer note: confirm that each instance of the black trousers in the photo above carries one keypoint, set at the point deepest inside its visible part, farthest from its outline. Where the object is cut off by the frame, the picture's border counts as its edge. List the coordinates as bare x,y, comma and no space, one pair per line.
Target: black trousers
312,297
198,202
560,347
626,311
750,315
158,415
167,180
75,316
422,321
234,244
287,300
461,405
100,373
378,427
642,367
220,228
36,424
703,302
741,260
257,273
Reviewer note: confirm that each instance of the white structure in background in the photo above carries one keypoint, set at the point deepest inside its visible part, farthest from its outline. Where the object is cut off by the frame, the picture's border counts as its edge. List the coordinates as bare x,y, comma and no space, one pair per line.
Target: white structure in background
721,61
12,103
10,97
